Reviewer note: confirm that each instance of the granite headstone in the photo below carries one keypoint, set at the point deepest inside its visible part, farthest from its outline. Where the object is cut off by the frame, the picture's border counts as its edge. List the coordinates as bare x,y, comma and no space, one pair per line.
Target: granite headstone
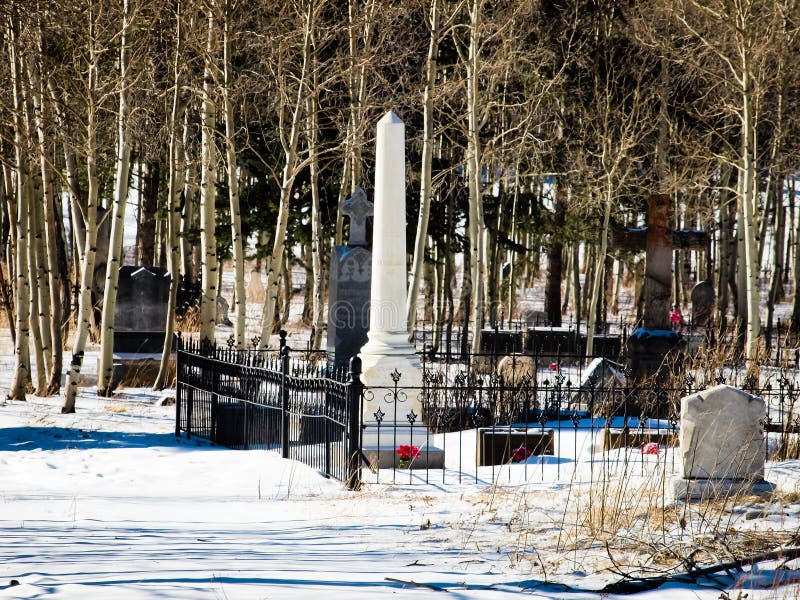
350,286
141,311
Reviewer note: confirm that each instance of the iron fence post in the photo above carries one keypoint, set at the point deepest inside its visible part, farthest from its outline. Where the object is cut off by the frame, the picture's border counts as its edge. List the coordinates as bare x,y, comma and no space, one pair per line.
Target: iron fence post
178,389
189,411
284,400
355,388
214,399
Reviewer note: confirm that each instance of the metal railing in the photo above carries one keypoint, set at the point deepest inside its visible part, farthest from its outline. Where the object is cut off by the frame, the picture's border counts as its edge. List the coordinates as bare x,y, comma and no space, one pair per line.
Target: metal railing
279,401
483,414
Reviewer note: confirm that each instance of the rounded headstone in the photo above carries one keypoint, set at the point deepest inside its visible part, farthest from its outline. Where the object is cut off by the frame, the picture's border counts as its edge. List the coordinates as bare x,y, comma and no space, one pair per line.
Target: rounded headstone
702,303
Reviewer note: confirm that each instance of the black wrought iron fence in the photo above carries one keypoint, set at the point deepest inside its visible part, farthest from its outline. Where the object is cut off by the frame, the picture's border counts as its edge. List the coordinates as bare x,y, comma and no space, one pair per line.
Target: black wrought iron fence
279,401
549,412
546,412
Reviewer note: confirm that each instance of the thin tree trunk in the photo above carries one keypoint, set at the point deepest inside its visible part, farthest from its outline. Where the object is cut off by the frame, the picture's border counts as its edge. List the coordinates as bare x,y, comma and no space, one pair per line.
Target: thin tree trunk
319,318
53,271
476,221
776,284
426,188
598,279
750,213
555,251
189,203
177,172
41,306
240,295
22,367
90,249
289,173
208,189
105,368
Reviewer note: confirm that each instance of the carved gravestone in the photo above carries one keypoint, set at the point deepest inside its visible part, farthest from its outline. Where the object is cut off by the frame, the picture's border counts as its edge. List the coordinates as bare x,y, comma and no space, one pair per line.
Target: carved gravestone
141,311
721,444
350,283
702,303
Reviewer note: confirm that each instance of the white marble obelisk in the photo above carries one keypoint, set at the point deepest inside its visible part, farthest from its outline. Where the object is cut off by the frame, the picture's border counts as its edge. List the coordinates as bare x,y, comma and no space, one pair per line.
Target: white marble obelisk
387,350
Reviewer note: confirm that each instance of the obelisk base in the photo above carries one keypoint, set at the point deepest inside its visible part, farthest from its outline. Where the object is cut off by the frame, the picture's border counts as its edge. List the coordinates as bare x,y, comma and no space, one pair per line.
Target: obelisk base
392,417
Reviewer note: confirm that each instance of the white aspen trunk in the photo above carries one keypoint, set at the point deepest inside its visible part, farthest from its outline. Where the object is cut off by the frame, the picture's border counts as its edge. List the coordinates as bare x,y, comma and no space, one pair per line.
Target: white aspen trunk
177,171
750,206
317,240
208,190
72,177
240,301
187,218
90,249
53,384
289,173
425,191
40,331
741,263
22,366
105,368
597,280
476,224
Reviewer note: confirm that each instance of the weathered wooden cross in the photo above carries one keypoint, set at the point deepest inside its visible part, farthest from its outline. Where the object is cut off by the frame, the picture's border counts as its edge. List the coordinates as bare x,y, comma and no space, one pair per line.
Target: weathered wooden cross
658,241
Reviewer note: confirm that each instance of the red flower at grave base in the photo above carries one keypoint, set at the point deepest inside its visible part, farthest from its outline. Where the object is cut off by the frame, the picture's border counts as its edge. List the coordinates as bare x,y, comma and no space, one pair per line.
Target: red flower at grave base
651,448
407,452
520,454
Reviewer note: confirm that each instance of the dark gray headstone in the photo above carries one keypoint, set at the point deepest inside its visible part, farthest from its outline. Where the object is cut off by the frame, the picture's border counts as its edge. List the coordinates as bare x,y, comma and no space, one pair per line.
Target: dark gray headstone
142,297
348,305
703,297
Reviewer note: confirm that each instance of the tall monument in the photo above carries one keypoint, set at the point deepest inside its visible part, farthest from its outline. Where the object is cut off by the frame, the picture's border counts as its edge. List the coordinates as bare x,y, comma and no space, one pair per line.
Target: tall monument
391,370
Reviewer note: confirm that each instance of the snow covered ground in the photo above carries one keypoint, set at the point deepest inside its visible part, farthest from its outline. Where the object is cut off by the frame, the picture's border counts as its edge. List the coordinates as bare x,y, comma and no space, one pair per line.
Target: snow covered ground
108,503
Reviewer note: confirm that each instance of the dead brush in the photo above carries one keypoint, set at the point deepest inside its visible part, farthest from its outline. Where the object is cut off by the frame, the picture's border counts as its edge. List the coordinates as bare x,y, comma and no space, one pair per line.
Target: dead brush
614,506
189,320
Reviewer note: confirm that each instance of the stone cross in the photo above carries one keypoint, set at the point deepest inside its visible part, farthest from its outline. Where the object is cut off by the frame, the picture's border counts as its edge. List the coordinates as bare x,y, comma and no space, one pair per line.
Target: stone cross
358,208
658,241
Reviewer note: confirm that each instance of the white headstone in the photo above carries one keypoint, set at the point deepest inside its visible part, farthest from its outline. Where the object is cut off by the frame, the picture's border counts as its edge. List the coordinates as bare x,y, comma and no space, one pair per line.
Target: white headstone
721,443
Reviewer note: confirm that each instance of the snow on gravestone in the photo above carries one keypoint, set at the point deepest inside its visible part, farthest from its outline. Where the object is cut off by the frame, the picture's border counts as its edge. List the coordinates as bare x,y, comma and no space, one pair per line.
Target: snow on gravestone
721,444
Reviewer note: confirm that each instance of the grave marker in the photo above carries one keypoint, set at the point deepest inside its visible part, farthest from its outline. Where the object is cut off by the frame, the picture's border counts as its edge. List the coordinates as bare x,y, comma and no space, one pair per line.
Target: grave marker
141,312
658,241
391,370
349,286
721,444
703,297
650,344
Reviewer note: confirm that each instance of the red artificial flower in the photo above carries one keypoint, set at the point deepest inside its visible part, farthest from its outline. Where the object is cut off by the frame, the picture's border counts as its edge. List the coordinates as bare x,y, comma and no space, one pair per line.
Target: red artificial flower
520,454
651,448
407,452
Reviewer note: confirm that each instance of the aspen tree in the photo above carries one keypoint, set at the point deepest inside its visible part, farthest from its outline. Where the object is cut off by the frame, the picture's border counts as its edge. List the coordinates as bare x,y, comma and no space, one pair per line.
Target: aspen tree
90,247
105,368
208,184
291,166
22,366
177,172
237,243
